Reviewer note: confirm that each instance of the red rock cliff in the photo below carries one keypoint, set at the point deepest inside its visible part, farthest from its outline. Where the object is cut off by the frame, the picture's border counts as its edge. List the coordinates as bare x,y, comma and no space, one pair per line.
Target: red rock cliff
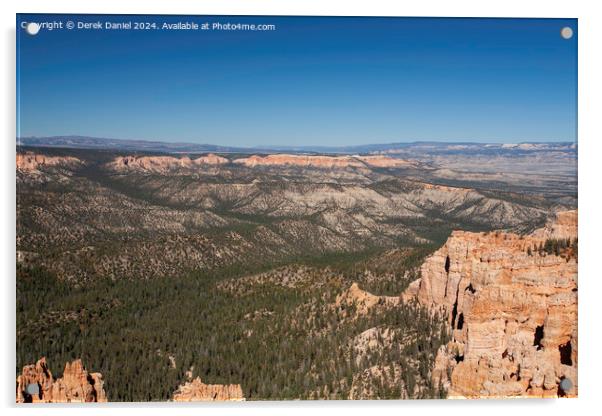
512,311
326,162
31,162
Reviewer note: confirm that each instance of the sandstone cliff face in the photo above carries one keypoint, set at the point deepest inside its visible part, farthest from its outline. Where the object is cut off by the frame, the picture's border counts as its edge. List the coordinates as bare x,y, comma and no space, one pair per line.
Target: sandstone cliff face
197,391
211,159
31,162
513,315
37,385
300,160
326,162
164,164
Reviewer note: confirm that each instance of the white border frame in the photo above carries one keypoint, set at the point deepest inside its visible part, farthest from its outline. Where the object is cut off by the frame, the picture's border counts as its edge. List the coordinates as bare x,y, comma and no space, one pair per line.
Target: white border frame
590,232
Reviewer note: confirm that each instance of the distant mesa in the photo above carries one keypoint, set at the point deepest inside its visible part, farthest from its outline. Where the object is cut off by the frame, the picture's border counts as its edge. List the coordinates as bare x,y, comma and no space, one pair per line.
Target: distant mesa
162,164
37,385
536,146
387,162
211,159
326,162
299,160
32,162
512,309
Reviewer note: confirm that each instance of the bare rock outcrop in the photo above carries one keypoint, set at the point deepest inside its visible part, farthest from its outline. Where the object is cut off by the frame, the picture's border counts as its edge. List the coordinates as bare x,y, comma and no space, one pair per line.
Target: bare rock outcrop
164,164
197,391
325,162
363,301
211,159
512,312
380,161
562,226
300,160
32,162
37,385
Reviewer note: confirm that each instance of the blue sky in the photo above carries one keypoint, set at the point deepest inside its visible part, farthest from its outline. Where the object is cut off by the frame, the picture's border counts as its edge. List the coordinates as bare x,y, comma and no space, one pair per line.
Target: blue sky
312,81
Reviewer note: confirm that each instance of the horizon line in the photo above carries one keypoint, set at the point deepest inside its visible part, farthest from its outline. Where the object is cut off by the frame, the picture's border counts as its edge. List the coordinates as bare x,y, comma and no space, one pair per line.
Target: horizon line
408,141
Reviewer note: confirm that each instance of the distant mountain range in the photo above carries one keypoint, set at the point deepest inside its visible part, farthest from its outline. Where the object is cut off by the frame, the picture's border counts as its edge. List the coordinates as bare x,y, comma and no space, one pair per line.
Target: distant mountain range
85,142
406,149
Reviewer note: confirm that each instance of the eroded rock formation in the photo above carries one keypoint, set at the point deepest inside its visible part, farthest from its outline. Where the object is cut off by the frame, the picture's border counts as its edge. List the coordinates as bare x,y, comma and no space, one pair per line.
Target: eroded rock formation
300,160
37,385
512,312
164,164
32,162
211,159
326,162
381,161
197,391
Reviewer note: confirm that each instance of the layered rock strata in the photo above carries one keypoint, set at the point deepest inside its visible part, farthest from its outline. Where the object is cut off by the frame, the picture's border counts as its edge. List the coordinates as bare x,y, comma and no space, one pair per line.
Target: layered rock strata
164,164
325,162
512,312
32,162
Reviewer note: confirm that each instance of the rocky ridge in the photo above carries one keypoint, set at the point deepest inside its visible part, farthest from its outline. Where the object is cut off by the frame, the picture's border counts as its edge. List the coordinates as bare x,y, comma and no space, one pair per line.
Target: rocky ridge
33,162
163,164
362,300
512,312
207,216
197,391
37,385
325,162
379,161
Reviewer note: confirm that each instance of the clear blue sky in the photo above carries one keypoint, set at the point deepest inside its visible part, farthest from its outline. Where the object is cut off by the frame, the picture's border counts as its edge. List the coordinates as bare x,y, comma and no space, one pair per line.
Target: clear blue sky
312,81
